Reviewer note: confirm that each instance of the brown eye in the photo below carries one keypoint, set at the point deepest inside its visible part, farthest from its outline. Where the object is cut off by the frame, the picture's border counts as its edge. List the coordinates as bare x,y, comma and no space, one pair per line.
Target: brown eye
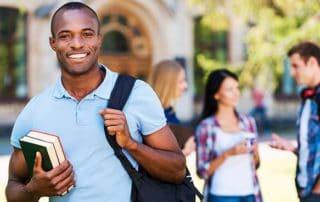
64,36
88,34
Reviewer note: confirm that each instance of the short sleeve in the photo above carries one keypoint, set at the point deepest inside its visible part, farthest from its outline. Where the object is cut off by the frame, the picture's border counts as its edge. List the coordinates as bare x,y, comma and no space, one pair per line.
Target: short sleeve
145,106
22,125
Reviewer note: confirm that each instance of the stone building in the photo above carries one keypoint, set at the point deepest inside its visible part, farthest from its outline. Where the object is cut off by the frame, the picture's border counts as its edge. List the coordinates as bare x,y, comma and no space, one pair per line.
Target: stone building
136,34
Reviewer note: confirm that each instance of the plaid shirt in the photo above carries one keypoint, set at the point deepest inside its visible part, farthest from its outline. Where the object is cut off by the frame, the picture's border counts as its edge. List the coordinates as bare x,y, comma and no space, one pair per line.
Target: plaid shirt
313,162
206,137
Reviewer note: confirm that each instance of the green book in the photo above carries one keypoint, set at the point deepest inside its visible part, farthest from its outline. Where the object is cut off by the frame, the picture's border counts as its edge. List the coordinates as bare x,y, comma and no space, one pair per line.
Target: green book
50,138
49,155
48,145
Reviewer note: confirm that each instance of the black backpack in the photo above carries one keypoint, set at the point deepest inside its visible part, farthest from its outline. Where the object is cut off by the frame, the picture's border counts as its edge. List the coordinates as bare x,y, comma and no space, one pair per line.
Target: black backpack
145,188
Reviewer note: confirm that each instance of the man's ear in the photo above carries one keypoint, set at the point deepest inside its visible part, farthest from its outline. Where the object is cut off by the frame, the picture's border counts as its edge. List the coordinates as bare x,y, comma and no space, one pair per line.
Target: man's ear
312,61
52,43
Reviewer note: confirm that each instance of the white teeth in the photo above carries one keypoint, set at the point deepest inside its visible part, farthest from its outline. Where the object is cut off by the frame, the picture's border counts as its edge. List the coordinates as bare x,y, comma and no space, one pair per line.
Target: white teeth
77,56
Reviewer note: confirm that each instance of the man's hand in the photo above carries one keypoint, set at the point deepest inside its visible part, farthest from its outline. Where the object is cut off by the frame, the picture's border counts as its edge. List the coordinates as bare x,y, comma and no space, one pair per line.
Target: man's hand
281,143
54,182
116,123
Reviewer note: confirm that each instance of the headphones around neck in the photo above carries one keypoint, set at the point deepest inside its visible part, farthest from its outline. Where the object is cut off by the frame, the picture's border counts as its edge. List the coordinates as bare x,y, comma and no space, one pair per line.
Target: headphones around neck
309,93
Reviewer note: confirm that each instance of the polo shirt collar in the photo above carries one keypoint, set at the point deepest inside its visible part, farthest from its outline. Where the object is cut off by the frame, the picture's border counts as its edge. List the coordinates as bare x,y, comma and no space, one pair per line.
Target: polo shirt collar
105,88
103,91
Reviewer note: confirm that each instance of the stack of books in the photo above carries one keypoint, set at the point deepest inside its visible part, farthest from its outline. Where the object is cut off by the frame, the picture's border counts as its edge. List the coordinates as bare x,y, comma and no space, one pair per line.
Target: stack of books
48,145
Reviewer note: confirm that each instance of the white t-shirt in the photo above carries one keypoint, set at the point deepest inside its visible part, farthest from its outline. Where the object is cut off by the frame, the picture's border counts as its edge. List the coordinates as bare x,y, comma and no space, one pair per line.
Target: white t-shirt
303,131
234,176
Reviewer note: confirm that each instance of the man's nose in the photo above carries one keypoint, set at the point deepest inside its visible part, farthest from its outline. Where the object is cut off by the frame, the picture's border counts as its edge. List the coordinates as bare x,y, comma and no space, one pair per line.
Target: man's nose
77,42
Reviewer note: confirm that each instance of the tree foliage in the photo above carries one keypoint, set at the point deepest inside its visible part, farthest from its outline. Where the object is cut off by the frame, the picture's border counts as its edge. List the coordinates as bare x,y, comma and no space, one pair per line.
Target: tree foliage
273,26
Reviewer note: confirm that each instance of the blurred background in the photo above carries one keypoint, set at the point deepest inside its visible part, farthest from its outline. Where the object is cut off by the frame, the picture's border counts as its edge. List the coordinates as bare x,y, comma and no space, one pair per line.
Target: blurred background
249,37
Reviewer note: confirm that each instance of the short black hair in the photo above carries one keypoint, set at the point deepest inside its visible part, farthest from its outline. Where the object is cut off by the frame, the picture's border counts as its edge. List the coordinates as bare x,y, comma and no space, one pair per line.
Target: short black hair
73,6
306,50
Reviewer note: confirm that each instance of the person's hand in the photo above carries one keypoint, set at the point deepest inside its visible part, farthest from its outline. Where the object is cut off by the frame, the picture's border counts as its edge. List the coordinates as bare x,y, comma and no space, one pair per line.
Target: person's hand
281,143
55,182
189,146
240,148
116,123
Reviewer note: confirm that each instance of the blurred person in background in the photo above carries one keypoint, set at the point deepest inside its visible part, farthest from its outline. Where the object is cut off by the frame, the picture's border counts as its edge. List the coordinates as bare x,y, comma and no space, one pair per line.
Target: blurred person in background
305,69
259,110
168,80
227,151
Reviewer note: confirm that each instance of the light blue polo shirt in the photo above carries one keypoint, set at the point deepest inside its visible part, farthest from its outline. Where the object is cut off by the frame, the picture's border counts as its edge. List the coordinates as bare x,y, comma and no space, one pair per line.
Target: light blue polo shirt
99,175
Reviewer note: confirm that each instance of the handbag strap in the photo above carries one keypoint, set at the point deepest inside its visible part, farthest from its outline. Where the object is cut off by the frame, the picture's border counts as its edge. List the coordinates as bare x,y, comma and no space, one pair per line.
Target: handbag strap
118,99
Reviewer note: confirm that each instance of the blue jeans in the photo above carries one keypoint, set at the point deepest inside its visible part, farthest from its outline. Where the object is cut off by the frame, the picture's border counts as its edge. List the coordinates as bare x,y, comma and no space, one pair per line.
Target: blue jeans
215,198
311,198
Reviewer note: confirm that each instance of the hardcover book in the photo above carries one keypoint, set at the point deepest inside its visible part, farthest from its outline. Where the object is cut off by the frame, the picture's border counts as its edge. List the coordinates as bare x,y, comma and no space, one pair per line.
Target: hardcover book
48,145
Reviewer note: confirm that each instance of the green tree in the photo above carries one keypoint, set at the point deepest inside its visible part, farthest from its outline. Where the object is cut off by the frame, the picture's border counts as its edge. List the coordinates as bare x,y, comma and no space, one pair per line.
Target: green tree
273,26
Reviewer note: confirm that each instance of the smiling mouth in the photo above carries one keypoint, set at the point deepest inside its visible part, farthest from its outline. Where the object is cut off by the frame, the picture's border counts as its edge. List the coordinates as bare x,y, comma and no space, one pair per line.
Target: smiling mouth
78,56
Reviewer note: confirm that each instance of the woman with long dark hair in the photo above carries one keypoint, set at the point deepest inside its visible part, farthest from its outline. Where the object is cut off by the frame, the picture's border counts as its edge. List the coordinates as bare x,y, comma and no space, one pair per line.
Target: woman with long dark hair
227,152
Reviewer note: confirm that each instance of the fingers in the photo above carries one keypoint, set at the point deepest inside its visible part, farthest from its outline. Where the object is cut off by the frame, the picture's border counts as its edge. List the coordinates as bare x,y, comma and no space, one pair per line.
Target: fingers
114,130
275,136
116,123
277,141
110,111
115,120
37,162
113,117
62,177
54,182
64,181
67,173
63,167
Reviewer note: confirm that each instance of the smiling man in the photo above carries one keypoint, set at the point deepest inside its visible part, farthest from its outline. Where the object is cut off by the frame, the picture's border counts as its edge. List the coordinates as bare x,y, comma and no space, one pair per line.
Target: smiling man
74,109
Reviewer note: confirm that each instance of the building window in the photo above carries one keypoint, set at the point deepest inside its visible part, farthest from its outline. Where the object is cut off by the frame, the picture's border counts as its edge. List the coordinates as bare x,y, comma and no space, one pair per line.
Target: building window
13,82
114,42
211,46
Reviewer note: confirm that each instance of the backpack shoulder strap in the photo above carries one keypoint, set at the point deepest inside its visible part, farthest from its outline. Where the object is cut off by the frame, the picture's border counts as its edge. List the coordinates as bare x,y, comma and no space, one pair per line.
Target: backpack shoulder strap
121,91
118,98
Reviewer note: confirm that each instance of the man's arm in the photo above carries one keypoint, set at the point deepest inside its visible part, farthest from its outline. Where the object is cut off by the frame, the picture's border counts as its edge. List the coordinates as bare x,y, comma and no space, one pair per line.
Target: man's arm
54,182
160,154
18,176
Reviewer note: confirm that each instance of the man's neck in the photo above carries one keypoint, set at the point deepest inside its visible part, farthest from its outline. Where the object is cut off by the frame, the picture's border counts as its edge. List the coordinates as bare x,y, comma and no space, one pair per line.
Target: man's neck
82,85
316,78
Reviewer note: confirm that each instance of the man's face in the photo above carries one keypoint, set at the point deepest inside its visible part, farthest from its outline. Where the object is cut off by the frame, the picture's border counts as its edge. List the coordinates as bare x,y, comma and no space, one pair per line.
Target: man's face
301,71
76,41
